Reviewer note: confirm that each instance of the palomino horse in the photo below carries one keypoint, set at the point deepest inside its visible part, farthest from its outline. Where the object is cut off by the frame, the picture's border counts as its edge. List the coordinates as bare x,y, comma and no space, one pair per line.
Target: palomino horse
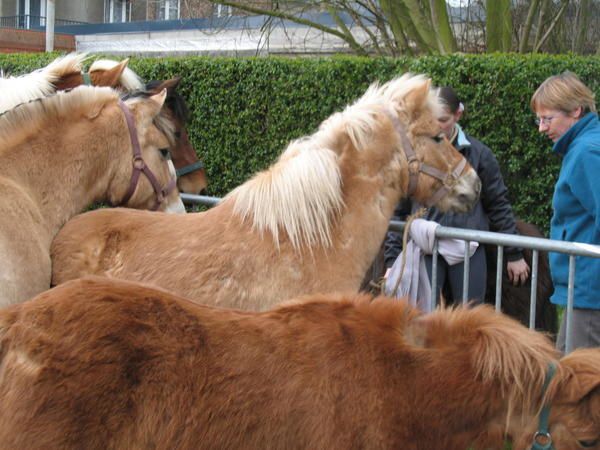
310,223
110,364
61,153
67,72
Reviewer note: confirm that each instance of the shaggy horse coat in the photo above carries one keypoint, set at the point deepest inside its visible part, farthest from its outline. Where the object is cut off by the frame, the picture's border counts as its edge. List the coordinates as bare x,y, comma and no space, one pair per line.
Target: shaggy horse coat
58,155
108,364
310,223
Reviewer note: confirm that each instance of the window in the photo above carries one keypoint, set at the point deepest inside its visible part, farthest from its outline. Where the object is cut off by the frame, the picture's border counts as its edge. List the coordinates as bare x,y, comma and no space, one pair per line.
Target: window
168,10
31,13
221,10
117,11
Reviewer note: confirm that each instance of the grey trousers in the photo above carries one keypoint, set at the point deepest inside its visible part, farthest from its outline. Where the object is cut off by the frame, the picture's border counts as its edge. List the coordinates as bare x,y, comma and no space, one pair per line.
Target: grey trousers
585,329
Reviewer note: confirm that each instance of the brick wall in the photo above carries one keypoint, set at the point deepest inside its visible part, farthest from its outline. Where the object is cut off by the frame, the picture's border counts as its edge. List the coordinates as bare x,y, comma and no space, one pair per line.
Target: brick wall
18,41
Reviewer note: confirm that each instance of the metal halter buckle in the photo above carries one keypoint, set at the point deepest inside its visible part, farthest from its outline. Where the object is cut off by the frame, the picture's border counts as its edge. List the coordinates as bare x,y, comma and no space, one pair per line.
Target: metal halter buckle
414,165
138,162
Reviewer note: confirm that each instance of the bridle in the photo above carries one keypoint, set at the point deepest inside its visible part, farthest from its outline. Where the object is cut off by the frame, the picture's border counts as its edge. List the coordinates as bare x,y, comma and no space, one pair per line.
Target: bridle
415,167
139,166
189,168
542,440
179,172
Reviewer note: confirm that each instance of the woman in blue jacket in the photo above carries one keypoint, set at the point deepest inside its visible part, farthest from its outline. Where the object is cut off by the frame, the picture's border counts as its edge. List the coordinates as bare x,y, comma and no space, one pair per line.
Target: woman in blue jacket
566,113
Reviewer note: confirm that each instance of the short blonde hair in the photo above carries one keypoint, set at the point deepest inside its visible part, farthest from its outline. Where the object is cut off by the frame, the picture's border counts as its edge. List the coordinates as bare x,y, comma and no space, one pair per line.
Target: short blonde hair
564,92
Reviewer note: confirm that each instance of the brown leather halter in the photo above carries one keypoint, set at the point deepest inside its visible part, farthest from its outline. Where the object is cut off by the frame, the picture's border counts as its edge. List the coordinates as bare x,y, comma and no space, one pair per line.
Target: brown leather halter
139,166
448,179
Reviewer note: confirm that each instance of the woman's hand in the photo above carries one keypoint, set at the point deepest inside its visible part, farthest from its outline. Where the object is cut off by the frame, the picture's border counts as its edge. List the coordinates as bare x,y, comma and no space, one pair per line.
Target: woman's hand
518,271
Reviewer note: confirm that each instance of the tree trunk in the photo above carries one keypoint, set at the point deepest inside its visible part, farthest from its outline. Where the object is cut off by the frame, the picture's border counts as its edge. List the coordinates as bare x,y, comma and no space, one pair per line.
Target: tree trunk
533,8
421,24
582,21
499,25
442,27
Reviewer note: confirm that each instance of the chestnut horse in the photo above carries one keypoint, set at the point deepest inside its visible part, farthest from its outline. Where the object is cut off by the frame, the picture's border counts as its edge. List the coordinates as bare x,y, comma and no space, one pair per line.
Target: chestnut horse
310,223
67,73
61,153
110,364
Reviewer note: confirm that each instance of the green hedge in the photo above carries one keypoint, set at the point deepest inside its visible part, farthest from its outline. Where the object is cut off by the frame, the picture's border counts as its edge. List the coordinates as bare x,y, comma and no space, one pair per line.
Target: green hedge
246,110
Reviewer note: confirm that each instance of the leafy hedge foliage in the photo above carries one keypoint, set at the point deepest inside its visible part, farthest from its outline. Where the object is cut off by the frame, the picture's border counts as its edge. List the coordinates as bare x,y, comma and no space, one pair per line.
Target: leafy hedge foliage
246,110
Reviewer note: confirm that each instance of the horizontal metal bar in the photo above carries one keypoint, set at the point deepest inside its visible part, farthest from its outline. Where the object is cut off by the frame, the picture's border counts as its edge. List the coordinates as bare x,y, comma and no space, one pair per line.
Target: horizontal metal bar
205,200
486,237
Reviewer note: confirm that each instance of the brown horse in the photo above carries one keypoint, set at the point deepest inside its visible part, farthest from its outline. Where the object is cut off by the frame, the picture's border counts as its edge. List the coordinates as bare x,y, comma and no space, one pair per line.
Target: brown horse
310,223
61,153
67,73
109,364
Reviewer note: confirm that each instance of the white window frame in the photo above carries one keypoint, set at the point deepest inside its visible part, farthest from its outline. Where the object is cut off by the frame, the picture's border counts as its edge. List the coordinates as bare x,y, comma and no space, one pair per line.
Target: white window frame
167,6
124,13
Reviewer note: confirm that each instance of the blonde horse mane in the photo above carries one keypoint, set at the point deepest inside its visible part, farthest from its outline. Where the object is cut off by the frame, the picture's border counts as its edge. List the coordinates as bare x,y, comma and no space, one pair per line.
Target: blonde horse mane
29,118
301,193
16,90
129,79
503,351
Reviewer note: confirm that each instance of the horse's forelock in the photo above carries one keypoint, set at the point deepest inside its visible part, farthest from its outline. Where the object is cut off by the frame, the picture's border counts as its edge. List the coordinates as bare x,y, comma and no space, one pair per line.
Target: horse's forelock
300,194
163,120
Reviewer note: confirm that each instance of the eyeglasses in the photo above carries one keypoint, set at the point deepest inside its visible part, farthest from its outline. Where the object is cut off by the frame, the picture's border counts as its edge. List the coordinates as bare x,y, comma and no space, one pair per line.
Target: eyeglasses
544,120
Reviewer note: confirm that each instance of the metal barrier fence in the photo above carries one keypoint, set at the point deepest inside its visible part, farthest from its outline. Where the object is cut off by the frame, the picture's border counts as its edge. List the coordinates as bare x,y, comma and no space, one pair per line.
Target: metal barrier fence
501,240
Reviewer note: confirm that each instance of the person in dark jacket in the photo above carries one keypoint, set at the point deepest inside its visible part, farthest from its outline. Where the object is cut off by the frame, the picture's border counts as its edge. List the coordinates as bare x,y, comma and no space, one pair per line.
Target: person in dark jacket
566,113
492,212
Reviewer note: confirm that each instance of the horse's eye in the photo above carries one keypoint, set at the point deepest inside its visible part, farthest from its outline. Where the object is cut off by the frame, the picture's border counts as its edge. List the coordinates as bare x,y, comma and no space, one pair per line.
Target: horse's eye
165,153
588,444
439,138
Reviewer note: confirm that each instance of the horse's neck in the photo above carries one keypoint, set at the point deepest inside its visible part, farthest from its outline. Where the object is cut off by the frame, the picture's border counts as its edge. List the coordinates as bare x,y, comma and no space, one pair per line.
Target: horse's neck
362,227
61,178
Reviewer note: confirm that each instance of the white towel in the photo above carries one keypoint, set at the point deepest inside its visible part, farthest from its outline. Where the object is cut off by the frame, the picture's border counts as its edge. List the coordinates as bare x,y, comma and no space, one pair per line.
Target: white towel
415,283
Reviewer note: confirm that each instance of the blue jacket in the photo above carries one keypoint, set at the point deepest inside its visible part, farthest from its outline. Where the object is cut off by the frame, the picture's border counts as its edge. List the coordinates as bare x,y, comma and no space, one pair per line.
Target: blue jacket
576,204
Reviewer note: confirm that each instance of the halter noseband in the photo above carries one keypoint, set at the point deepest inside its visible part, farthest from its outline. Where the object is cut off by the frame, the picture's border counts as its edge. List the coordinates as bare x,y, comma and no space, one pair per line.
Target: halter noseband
190,168
542,440
139,166
415,167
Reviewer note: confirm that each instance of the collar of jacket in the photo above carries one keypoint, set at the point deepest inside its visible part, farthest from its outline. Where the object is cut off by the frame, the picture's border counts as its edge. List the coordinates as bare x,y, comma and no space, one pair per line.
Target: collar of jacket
564,142
460,141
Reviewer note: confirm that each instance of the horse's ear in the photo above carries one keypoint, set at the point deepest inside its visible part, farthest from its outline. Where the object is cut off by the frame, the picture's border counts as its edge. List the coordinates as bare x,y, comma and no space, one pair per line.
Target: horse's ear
583,378
170,85
156,101
109,77
415,99
94,111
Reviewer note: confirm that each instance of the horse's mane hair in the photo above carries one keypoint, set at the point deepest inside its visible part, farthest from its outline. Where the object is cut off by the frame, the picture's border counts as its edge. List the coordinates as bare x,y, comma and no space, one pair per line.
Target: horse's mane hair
16,90
301,193
129,79
174,101
28,118
503,351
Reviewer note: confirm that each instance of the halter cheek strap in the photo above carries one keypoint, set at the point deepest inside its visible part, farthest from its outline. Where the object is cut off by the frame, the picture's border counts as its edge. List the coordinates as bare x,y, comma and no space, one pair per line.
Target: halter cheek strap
542,440
139,166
